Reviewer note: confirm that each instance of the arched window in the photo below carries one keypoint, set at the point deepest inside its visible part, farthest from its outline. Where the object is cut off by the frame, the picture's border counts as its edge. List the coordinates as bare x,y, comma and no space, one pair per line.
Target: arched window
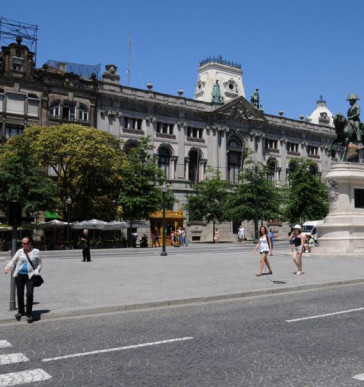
272,166
235,159
164,160
312,169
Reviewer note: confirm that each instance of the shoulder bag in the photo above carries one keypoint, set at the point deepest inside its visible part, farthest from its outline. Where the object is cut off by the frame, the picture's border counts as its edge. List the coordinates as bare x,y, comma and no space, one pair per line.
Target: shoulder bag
37,279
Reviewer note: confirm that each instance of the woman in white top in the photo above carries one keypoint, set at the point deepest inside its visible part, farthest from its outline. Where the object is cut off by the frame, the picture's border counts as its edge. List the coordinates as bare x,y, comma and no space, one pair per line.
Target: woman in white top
297,237
265,247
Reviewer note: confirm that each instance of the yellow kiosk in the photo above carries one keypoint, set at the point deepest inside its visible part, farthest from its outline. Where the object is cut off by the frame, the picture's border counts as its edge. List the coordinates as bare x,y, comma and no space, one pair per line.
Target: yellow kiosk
174,219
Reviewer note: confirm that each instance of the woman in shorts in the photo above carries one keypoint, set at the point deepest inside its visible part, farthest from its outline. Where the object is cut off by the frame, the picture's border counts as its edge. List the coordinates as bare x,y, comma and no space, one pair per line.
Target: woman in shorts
298,247
265,247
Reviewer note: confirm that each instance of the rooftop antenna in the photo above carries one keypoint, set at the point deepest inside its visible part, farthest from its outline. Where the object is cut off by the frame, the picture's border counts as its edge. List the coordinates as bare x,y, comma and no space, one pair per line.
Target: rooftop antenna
129,58
11,29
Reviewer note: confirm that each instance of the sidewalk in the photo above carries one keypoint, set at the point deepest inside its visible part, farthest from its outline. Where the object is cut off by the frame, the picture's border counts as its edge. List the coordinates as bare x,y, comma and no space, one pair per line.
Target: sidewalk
125,279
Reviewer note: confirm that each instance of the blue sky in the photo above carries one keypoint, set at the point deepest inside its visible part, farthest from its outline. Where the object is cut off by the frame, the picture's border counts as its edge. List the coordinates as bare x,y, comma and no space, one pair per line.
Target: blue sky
293,50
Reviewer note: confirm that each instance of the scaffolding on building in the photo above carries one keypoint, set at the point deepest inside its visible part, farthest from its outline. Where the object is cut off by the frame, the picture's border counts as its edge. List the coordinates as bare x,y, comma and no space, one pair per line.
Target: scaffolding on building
11,29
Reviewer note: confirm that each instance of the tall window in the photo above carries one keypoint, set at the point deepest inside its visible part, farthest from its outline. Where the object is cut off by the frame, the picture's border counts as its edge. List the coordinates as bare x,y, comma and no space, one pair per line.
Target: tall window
164,160
193,172
235,159
272,166
83,114
69,111
33,105
1,102
55,110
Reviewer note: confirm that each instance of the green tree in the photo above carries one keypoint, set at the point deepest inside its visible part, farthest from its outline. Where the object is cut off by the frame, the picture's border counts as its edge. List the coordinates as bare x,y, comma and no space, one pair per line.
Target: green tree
255,197
86,163
23,179
211,201
307,197
141,194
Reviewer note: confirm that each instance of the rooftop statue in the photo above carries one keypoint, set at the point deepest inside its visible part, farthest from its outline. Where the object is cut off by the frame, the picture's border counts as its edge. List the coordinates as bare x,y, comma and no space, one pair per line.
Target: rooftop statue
216,93
349,132
255,99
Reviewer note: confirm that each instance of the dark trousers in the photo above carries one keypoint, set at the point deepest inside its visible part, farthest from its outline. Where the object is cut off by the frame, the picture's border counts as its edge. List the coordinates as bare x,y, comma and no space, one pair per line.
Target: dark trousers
86,253
23,281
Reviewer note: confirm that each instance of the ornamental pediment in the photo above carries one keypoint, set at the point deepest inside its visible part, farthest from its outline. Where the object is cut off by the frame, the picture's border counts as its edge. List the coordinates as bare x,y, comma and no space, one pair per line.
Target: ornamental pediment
240,109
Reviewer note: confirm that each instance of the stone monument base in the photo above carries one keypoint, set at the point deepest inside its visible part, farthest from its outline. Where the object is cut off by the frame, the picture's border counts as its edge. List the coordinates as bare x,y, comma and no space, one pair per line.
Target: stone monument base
342,232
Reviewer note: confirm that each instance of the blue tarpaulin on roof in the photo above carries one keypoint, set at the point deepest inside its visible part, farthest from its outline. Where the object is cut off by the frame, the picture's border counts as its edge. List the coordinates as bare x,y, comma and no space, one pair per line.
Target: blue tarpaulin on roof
82,70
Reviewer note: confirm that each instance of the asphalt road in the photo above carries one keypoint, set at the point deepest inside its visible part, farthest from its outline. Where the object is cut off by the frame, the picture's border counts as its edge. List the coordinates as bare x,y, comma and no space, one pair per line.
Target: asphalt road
308,338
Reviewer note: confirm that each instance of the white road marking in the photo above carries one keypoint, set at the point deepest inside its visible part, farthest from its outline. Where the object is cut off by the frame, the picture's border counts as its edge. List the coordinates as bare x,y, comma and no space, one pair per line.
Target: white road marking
4,344
359,377
12,358
16,378
118,349
326,315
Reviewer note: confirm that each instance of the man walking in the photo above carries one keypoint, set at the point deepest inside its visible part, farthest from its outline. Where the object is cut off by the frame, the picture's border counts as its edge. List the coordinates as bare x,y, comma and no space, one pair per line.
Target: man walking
86,246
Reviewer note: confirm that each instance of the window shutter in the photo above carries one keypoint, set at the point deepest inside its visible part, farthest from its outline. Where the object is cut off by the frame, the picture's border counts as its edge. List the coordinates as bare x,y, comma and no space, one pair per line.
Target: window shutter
15,103
33,107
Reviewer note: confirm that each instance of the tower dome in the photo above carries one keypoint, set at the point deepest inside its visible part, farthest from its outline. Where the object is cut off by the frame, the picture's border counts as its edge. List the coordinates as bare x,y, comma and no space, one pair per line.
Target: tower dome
321,115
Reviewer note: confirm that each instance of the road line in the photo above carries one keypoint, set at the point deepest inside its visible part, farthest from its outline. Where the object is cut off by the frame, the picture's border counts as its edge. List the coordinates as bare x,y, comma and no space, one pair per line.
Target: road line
16,378
359,377
325,315
13,358
4,344
118,349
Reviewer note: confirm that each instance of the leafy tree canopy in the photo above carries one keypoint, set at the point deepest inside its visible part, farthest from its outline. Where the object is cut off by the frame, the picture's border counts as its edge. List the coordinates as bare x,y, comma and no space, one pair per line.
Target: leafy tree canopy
212,199
255,195
141,194
86,163
23,179
307,195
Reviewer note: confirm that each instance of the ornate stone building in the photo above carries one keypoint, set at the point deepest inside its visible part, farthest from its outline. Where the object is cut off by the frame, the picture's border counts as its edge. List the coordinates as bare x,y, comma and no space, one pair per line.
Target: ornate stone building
45,96
188,135
218,128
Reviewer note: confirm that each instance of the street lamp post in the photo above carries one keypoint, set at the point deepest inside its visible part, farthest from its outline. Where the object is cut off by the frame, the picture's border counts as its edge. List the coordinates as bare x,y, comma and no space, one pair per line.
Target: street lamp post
69,202
256,180
164,190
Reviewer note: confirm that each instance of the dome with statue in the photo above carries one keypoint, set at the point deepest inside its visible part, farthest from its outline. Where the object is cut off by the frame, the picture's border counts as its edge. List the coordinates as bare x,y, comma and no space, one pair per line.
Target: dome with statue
321,115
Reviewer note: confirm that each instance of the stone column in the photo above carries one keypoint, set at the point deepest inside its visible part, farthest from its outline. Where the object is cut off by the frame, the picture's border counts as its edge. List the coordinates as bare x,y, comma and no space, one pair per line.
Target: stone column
187,168
222,153
172,168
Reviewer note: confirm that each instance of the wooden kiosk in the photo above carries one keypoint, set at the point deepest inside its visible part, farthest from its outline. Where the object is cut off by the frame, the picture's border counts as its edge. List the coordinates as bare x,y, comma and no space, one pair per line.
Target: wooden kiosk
174,219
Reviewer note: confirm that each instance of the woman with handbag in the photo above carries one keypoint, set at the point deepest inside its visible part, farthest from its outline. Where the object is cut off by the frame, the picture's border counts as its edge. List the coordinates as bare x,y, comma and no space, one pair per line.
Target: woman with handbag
28,264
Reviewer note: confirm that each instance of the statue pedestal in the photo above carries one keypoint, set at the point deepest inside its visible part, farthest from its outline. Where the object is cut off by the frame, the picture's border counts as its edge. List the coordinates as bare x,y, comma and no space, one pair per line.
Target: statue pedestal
343,230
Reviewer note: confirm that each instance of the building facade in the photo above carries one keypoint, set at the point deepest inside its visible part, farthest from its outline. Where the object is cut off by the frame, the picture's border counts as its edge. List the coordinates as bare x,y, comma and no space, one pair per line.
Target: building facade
216,129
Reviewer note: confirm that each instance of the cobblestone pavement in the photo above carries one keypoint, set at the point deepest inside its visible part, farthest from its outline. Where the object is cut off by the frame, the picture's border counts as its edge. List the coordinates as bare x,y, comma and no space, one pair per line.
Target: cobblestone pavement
122,279
245,342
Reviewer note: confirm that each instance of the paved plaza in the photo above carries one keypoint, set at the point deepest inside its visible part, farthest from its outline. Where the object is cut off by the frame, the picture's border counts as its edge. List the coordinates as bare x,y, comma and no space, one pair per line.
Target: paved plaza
125,279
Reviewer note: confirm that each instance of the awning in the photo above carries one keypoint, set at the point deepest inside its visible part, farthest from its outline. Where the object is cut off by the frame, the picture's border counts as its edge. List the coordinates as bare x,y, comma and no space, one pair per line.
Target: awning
51,215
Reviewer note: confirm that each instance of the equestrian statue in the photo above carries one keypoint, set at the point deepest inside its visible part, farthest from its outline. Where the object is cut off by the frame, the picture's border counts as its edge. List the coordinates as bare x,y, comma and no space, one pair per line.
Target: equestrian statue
349,132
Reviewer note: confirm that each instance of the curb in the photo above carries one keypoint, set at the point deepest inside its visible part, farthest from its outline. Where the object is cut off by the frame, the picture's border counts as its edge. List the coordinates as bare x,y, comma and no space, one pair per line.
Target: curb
186,301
